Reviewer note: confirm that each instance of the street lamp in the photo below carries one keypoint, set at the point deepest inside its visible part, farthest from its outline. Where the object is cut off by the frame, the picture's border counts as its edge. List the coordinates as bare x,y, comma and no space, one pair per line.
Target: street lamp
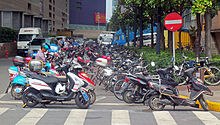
98,16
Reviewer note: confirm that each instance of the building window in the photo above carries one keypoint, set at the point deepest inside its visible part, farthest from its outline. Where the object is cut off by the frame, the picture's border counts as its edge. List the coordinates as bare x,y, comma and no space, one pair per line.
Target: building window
50,15
50,1
53,23
29,6
54,2
50,7
53,29
53,9
54,16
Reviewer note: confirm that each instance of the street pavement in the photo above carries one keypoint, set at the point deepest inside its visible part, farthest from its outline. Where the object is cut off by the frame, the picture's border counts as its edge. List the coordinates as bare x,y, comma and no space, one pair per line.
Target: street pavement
107,110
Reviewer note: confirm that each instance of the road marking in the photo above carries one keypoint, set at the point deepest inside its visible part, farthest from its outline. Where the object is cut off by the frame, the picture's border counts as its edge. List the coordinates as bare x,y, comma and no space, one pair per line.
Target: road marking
120,117
2,110
207,118
76,117
2,95
96,104
11,102
32,117
117,104
100,98
164,118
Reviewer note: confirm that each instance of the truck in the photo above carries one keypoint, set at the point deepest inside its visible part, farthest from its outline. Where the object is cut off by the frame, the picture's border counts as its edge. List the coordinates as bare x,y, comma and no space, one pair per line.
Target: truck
105,37
25,36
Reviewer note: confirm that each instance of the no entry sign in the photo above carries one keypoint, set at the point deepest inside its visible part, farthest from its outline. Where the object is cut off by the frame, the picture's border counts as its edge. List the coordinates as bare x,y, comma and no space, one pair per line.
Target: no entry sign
173,21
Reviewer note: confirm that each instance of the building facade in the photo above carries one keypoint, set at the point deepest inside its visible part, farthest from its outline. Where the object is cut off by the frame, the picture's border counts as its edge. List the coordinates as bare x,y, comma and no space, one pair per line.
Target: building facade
87,17
49,15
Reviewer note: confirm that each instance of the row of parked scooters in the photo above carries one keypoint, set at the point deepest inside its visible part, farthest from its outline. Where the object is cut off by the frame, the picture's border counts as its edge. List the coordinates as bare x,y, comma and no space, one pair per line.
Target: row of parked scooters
73,73
130,81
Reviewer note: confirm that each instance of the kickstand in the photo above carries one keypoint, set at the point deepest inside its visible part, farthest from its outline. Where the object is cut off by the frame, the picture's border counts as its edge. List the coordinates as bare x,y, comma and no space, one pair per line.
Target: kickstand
44,105
174,107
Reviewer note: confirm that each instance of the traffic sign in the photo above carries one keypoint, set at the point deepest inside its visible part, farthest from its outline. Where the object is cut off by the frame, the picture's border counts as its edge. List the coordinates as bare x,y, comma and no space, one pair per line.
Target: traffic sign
173,21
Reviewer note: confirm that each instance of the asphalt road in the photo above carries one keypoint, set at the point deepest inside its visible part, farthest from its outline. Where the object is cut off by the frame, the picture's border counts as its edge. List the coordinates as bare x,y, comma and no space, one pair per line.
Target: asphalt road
107,110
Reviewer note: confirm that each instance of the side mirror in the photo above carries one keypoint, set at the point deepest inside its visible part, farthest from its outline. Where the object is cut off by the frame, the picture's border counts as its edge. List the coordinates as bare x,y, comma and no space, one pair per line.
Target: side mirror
152,64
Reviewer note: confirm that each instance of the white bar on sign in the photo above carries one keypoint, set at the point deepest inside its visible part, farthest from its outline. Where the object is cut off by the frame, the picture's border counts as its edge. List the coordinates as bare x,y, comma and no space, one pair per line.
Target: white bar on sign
173,21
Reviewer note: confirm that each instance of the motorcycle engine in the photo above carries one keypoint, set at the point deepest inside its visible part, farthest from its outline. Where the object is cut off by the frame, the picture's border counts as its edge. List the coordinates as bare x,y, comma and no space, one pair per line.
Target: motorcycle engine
60,89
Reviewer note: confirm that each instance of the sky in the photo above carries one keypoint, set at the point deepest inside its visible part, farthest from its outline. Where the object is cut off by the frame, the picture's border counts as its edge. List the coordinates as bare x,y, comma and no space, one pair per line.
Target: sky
108,10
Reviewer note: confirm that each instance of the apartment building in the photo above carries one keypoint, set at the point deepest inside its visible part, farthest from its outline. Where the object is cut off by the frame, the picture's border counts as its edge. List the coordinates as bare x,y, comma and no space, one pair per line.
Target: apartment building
49,15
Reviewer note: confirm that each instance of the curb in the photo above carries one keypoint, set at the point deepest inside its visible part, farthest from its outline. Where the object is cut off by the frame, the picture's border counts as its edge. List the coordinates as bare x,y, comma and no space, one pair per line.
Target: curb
213,106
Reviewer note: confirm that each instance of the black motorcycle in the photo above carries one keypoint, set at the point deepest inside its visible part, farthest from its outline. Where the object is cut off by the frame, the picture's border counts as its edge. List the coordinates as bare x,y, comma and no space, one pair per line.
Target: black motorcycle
165,92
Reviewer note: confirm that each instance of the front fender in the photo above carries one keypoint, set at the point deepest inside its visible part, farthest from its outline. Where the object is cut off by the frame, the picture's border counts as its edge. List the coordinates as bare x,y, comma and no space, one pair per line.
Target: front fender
19,80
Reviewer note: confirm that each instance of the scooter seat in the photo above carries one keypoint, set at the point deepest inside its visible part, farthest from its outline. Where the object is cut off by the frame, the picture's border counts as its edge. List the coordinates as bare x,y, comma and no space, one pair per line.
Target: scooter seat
62,79
48,80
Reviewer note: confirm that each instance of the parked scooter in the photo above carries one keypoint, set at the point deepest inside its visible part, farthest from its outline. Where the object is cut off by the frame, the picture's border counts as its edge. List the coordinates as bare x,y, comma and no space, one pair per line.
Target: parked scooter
41,89
167,94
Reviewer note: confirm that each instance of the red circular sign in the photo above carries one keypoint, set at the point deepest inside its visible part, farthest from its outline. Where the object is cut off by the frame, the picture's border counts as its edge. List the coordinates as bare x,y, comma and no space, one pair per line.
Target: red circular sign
173,21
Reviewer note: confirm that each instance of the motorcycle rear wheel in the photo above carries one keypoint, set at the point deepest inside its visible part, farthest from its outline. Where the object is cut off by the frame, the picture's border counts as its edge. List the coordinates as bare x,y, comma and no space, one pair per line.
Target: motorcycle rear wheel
28,101
154,103
127,96
81,102
203,103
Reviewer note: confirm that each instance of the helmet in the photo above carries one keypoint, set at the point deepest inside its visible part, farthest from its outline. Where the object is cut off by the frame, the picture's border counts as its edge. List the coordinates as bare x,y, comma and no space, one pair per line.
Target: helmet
45,46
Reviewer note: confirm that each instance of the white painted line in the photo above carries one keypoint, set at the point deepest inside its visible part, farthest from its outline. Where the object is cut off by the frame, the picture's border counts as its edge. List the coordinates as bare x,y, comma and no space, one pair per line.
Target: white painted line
117,104
2,95
96,104
32,117
120,117
173,21
2,110
76,117
11,102
100,98
207,118
164,118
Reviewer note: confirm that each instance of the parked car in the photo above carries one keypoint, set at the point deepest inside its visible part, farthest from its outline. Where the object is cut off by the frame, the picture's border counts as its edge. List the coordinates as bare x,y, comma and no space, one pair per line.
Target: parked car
35,45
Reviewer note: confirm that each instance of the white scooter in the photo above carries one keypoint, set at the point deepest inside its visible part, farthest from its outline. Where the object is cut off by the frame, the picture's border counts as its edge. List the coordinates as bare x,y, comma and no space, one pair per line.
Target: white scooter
42,89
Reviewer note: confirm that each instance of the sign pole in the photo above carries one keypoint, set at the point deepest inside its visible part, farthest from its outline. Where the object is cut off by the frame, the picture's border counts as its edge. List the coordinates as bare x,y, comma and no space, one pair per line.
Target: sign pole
98,20
174,48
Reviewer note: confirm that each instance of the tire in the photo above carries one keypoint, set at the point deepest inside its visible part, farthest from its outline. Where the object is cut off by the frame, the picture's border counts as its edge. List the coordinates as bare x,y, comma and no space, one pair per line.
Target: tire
154,103
213,80
28,101
80,101
116,90
127,96
92,96
203,103
17,91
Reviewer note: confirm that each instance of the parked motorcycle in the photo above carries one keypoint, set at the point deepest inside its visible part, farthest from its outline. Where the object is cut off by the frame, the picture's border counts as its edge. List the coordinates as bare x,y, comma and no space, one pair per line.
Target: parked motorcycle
165,92
41,89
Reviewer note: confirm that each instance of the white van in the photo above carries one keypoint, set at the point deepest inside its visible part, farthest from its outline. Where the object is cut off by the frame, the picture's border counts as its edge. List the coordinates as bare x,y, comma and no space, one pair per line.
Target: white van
105,37
25,36
147,39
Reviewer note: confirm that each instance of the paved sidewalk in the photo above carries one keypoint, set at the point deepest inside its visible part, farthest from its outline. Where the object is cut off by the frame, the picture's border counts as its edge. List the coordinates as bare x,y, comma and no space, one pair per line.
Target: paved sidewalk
215,98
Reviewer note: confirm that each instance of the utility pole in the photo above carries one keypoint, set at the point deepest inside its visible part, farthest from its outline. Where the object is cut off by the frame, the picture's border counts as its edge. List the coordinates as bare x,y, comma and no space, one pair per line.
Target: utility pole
98,16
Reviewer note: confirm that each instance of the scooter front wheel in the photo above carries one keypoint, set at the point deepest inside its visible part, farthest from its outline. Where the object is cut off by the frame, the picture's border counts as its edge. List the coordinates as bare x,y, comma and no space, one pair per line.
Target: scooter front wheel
92,96
154,103
81,102
203,103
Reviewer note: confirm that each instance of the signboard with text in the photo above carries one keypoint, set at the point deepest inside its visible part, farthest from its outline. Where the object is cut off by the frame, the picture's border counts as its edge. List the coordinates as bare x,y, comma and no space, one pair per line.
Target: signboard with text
100,18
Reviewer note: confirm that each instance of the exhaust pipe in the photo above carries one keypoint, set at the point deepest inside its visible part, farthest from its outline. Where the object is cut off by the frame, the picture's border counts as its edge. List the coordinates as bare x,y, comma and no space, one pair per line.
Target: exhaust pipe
34,97
165,102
